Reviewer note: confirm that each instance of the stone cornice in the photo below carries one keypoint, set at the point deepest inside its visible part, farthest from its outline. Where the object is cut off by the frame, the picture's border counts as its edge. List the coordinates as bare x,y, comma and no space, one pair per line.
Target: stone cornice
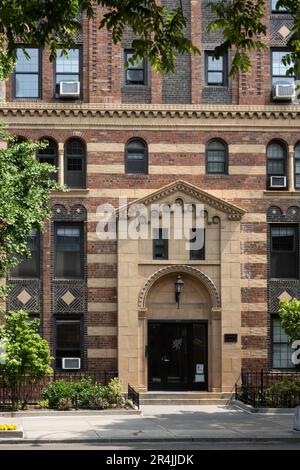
189,111
233,212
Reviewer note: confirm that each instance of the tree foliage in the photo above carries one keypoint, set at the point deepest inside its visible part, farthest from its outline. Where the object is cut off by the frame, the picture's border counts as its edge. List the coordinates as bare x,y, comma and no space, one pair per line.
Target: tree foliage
24,198
25,357
54,23
289,314
159,31
243,26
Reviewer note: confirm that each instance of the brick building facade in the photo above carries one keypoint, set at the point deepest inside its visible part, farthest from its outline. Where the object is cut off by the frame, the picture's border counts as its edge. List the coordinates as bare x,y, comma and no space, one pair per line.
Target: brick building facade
201,136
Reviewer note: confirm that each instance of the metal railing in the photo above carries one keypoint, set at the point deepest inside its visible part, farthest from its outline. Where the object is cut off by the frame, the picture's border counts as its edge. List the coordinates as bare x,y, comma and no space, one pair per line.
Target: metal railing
256,389
134,396
31,393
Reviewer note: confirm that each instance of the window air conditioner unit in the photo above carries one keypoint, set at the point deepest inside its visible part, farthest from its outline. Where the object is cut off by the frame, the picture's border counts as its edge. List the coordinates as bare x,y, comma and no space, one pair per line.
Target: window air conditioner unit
278,182
284,92
69,89
71,363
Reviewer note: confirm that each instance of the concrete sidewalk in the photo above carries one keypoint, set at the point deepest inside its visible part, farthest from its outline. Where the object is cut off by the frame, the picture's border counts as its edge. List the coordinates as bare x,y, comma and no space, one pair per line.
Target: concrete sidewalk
160,423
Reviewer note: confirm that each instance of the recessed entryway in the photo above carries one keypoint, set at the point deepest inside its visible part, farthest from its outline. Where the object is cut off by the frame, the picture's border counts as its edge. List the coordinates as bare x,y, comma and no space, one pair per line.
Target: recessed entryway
177,355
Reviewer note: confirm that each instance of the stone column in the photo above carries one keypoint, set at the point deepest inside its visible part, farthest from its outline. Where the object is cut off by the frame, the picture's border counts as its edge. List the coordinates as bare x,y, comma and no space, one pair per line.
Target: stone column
291,168
61,176
216,346
143,367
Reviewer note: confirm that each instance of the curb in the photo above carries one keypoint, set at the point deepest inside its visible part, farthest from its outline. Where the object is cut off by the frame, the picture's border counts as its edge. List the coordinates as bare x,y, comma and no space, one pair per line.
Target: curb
292,439
12,435
38,414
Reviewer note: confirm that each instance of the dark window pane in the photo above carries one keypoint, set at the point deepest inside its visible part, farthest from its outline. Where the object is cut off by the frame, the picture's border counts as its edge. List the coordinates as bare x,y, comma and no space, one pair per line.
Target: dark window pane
68,335
198,254
284,252
216,156
276,167
276,159
29,267
282,351
136,157
68,341
74,164
135,73
215,70
160,244
68,250
49,155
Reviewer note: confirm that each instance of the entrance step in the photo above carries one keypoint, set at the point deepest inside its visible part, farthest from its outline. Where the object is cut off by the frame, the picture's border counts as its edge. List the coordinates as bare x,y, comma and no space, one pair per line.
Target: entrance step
184,398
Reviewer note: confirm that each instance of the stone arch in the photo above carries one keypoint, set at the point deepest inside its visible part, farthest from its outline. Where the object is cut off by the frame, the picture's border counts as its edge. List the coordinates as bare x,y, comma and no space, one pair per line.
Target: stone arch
177,268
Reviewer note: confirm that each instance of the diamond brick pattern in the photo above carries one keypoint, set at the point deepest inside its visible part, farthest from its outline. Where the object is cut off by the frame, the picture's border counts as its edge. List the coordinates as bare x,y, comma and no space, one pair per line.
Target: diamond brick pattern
25,295
69,298
282,290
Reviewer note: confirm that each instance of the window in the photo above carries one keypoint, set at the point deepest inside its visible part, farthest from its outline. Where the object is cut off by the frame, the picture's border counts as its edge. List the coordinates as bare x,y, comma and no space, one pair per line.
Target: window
136,157
75,164
215,70
297,166
216,158
67,67
27,73
29,268
135,74
49,155
276,159
281,350
275,9
68,251
68,340
160,244
284,252
197,254
279,69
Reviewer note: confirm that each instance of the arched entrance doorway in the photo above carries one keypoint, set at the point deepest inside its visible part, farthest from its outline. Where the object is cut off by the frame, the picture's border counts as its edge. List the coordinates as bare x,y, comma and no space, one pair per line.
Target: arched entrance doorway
182,345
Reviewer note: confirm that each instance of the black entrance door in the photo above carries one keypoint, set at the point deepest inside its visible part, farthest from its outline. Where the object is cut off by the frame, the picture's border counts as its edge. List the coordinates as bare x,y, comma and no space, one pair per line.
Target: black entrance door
177,355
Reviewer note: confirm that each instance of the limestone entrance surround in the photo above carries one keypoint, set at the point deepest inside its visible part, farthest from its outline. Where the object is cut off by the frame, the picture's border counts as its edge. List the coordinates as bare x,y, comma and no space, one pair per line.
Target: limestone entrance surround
212,290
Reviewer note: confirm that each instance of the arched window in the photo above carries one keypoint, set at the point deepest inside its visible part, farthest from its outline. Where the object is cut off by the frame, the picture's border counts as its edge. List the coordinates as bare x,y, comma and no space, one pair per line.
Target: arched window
75,164
276,160
297,166
136,157
49,155
216,158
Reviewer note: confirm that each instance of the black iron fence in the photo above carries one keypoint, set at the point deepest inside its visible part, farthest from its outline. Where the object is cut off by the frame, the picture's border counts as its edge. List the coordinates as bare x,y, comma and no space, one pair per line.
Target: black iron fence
134,396
258,388
31,393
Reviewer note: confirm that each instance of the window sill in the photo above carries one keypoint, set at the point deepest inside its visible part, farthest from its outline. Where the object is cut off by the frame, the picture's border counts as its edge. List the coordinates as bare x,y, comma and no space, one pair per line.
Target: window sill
135,87
282,194
178,261
136,175
218,175
216,87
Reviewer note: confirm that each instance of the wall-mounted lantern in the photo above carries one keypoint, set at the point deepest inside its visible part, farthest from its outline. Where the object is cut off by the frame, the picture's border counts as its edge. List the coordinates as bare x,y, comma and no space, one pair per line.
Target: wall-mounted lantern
178,289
